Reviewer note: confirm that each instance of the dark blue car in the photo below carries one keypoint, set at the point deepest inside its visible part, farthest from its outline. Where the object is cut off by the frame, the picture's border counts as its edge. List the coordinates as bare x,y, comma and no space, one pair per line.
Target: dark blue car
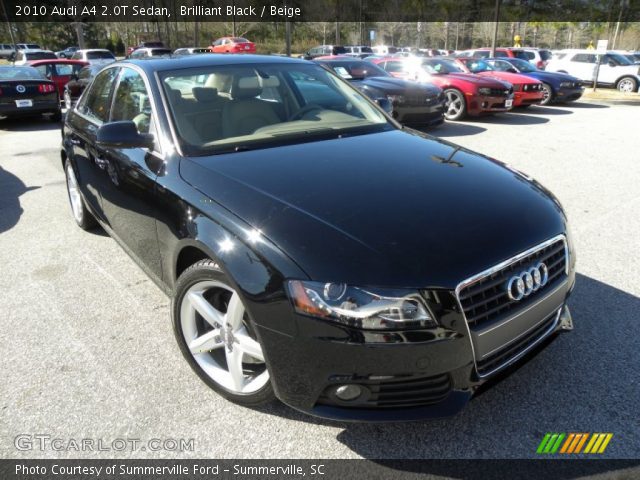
558,87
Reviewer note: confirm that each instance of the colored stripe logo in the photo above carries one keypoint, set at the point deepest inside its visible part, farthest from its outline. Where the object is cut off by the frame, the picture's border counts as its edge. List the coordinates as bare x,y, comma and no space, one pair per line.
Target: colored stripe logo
574,443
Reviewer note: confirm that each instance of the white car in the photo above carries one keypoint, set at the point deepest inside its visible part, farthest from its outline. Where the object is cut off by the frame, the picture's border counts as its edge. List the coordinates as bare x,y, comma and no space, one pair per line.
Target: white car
22,57
95,56
615,70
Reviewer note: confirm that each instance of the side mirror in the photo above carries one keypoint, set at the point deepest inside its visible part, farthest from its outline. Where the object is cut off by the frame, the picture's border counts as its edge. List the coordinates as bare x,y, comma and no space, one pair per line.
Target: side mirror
385,104
123,134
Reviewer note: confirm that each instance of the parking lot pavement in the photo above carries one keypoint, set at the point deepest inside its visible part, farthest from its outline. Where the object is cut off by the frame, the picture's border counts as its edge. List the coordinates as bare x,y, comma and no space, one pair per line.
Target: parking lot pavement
88,349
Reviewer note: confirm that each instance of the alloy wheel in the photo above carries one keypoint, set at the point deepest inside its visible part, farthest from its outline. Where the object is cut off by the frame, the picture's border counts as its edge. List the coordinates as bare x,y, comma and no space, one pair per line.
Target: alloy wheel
547,94
626,85
454,105
74,195
220,339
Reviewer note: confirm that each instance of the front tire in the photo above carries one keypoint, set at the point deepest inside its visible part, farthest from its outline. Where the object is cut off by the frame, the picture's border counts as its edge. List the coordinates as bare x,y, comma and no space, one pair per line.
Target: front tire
548,94
627,85
216,336
81,214
456,107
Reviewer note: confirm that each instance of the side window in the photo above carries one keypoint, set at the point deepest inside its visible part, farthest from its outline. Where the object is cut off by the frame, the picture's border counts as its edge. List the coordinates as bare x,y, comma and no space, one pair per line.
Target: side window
95,103
584,58
131,100
77,56
85,72
45,70
394,66
499,53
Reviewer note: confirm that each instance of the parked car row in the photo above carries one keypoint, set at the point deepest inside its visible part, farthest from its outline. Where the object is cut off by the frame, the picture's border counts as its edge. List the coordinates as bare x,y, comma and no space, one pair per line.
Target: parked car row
291,221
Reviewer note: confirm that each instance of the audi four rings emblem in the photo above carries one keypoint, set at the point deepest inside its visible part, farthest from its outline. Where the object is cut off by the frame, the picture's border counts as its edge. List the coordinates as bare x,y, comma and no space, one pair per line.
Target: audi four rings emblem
527,282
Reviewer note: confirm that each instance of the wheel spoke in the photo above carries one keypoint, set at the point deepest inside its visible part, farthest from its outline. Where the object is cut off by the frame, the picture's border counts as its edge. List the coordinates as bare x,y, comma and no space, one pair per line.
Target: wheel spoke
204,308
235,312
248,345
234,364
207,342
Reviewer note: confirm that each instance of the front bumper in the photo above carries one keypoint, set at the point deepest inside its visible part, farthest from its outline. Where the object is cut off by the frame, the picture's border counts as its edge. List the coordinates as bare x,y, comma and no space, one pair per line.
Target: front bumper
408,375
527,98
567,94
424,115
484,104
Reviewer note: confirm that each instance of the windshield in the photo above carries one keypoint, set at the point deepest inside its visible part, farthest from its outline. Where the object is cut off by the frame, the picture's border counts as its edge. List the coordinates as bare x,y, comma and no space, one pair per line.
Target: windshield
441,66
20,73
239,40
99,55
506,65
227,108
477,66
357,70
156,52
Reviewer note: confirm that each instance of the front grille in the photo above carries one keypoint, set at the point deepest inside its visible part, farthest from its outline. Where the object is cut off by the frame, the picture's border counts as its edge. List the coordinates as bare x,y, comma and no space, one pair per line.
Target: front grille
485,299
515,349
501,92
399,392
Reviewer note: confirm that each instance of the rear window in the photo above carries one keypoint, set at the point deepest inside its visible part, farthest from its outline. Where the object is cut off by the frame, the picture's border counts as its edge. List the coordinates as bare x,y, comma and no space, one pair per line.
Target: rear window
160,51
545,54
20,73
523,54
339,50
40,55
239,40
99,55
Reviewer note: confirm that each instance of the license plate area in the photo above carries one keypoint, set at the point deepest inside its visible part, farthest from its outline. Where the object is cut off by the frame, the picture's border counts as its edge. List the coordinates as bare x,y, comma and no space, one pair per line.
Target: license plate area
24,103
508,103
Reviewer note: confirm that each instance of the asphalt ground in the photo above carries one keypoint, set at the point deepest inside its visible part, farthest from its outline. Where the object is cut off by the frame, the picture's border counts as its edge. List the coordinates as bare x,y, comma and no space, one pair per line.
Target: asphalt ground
87,349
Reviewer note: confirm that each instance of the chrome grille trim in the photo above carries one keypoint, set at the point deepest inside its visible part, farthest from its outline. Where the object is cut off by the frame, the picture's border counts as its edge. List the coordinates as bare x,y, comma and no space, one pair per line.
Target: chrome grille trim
494,269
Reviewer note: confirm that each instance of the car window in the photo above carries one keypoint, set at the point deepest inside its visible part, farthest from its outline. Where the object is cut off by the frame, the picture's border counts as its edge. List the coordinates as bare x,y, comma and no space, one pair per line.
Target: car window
99,55
131,100
85,72
584,58
65,69
394,66
45,70
545,55
95,104
499,53
77,56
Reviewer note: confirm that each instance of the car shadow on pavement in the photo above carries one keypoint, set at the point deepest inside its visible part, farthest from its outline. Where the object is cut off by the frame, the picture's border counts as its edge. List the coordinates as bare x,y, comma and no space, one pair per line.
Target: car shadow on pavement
549,110
28,124
583,381
11,187
588,105
514,117
454,129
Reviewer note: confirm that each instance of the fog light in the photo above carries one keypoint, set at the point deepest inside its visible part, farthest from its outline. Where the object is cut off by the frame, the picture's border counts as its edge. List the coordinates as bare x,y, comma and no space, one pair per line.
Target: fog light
348,392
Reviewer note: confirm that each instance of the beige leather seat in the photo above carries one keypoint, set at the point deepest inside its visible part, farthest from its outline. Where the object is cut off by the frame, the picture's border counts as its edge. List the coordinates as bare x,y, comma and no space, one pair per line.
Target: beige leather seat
245,113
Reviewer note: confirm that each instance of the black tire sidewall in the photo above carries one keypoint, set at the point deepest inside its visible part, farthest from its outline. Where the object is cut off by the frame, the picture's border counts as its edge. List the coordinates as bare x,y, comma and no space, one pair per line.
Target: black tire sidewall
198,272
88,221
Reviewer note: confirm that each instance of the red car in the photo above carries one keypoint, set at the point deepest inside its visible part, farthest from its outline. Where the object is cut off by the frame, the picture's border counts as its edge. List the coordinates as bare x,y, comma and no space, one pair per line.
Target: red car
527,90
232,45
467,94
58,71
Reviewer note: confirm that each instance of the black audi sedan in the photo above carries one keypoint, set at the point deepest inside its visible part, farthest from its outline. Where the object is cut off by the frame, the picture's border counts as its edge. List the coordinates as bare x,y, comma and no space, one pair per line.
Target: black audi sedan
24,91
415,104
315,250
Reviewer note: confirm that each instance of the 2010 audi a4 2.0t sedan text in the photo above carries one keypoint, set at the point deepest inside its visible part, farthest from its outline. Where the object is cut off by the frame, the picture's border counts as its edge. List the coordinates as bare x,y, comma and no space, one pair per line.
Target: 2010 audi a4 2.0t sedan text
316,251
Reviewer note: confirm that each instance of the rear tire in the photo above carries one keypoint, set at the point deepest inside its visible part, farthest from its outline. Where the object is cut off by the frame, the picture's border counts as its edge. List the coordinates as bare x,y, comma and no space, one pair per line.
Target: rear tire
217,337
81,214
627,85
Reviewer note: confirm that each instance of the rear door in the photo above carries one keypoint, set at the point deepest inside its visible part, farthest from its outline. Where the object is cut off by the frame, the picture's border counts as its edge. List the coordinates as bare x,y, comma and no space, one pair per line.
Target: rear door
582,65
80,139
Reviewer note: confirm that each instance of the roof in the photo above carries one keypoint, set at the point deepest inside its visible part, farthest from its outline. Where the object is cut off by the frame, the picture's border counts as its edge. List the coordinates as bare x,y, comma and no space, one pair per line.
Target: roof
93,50
58,60
205,59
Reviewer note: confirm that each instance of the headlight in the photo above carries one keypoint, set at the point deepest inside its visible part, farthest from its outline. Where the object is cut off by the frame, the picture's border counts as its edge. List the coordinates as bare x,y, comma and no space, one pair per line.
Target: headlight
366,308
566,84
484,91
396,99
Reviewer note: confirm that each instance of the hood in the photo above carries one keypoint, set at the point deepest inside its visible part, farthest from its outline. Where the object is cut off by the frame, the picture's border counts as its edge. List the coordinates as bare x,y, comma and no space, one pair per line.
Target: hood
396,86
553,76
513,78
476,80
397,208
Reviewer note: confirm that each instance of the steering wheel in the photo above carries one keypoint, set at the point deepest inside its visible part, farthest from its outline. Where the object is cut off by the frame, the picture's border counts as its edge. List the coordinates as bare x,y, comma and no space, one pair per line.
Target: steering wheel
310,107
